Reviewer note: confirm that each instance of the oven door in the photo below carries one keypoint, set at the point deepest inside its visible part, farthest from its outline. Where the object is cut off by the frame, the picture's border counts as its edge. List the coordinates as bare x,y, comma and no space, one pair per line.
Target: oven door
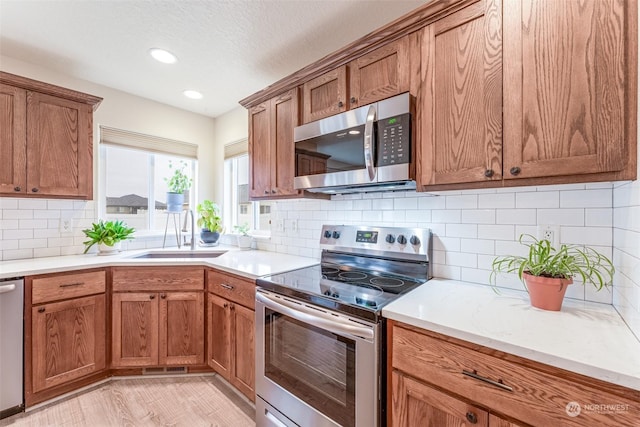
313,366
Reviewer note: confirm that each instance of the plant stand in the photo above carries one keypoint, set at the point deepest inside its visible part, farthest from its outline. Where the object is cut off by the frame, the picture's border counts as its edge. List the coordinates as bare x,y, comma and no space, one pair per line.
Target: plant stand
175,226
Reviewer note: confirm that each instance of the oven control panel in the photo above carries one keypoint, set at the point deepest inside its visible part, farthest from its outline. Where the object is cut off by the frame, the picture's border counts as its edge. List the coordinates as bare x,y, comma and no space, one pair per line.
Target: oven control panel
398,240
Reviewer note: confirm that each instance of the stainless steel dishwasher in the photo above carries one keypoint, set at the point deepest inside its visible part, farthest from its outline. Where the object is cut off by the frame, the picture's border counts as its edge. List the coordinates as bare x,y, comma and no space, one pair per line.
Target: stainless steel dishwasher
11,347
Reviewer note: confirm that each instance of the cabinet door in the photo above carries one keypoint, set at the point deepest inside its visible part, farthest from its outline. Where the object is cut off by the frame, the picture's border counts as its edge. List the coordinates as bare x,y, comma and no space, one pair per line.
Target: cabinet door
284,117
461,128
59,147
134,329
13,139
380,74
567,83
219,343
260,150
181,328
243,350
325,95
416,404
68,340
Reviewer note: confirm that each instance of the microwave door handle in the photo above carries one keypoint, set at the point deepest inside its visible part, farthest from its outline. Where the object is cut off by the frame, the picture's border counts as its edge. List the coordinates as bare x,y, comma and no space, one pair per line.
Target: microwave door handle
296,311
369,146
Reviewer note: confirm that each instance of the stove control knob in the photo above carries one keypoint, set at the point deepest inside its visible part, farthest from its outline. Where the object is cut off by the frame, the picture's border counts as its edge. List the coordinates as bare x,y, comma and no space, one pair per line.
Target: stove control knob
414,240
390,238
336,234
327,234
402,240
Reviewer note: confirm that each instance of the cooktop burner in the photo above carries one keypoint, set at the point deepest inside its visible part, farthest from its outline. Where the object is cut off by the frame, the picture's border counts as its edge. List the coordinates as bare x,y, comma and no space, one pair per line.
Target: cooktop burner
359,272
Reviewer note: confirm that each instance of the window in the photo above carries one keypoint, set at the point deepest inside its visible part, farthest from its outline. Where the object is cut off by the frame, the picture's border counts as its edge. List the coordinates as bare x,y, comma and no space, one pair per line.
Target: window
132,182
238,209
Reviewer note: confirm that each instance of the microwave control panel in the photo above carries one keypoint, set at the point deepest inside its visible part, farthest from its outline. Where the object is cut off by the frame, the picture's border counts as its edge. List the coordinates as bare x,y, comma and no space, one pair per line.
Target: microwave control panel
394,140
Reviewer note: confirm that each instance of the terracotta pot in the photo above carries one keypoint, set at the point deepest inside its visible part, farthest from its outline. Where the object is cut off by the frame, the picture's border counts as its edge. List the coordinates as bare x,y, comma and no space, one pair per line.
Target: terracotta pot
545,292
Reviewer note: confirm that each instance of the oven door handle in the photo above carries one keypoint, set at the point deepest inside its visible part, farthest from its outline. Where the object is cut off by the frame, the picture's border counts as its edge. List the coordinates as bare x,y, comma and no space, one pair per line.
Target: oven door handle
314,317
369,145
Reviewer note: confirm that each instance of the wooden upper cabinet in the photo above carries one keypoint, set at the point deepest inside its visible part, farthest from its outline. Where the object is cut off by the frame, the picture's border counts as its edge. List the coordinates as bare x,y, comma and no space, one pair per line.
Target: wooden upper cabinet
46,139
271,147
59,149
460,107
325,95
380,74
570,87
13,139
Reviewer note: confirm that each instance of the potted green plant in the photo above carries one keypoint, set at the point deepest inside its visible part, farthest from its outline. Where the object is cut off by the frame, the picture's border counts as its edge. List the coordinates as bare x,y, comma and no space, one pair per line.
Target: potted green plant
244,240
178,183
107,235
210,221
546,271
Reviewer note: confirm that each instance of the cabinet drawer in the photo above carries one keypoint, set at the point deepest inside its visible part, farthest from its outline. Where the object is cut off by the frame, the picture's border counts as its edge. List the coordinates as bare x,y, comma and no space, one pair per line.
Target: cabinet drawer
158,279
67,286
232,288
536,398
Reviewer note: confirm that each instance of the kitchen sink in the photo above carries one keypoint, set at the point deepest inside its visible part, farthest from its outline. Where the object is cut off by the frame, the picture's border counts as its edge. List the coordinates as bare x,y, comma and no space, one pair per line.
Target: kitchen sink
181,254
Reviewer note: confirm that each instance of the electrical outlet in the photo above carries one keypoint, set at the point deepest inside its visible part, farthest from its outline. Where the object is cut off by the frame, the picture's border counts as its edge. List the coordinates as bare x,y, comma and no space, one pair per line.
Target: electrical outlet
280,225
550,233
294,225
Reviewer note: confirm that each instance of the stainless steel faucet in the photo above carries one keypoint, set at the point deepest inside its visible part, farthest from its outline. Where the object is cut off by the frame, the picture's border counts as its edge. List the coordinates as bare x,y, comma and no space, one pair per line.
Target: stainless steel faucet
193,228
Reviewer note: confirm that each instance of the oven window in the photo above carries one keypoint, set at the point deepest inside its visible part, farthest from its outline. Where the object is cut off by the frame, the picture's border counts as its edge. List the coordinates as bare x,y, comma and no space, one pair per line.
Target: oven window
336,152
316,366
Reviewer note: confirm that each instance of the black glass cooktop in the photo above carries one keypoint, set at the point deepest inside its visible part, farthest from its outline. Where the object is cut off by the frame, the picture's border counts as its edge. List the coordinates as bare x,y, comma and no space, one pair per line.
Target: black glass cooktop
342,288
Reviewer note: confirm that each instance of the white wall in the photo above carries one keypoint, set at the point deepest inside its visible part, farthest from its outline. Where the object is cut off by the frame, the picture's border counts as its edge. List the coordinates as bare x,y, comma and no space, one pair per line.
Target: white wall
29,227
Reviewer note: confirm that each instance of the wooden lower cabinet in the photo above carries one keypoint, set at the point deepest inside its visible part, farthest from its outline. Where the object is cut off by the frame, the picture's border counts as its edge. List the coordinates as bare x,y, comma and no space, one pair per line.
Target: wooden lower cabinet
439,381
157,328
231,343
70,338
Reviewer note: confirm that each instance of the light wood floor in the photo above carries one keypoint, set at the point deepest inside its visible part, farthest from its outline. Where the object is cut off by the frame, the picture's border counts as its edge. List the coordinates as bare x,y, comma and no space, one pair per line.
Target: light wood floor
191,401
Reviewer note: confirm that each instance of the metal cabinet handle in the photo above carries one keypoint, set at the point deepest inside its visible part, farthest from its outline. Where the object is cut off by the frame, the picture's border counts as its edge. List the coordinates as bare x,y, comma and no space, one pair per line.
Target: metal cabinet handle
488,173
233,307
229,287
266,191
35,189
152,296
514,170
273,191
225,305
353,99
498,383
16,188
163,296
340,104
41,310
472,417
68,285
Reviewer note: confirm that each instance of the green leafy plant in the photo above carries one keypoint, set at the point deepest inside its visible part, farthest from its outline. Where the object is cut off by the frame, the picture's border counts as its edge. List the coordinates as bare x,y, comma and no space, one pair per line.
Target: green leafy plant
242,229
566,262
107,233
209,216
179,182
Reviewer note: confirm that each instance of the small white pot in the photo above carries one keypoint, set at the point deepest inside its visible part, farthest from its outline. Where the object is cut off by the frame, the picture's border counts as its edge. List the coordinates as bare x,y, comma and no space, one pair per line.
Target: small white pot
109,250
244,242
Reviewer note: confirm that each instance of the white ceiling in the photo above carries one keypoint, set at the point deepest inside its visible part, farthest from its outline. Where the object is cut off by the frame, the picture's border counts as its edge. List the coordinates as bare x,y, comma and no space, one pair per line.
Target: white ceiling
226,49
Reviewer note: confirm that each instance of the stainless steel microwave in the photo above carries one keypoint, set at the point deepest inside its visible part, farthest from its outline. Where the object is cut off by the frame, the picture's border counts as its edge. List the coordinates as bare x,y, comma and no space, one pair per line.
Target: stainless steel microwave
360,150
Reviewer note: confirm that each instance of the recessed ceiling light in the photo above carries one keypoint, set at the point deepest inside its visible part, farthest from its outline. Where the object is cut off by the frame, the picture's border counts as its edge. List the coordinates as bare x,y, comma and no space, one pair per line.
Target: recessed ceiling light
162,55
193,94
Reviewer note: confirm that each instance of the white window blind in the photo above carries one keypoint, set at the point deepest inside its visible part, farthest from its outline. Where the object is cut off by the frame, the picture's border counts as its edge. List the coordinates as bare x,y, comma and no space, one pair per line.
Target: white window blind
140,141
235,149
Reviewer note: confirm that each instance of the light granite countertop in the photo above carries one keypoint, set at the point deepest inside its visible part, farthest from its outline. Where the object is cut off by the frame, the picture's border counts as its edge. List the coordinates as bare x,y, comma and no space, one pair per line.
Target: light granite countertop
584,337
251,263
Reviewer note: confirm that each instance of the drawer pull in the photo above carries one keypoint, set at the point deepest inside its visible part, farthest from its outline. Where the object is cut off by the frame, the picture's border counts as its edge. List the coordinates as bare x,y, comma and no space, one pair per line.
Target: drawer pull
472,417
41,310
229,287
68,285
499,383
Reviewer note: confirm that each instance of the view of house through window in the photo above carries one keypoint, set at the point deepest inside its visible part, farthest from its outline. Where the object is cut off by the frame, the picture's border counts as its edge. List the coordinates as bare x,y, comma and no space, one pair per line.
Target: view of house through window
135,188
237,208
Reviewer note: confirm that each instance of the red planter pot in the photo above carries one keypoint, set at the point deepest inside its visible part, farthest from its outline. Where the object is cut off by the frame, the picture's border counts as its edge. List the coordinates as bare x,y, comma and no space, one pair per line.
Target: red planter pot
545,292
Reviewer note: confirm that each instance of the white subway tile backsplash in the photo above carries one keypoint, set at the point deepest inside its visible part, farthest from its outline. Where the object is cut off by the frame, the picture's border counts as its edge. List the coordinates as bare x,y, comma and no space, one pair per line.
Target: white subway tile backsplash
538,199
516,216
432,202
477,246
46,214
598,217
463,201
586,198
462,259
60,204
32,243
25,224
446,215
17,214
8,203
17,254
406,203
479,216
601,236
447,244
462,230
382,204
496,232
17,234
9,224
32,204
46,252
446,271
561,217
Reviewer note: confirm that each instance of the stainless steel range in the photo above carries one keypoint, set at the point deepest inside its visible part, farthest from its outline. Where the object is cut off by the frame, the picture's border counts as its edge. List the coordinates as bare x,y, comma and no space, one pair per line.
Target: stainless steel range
319,329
